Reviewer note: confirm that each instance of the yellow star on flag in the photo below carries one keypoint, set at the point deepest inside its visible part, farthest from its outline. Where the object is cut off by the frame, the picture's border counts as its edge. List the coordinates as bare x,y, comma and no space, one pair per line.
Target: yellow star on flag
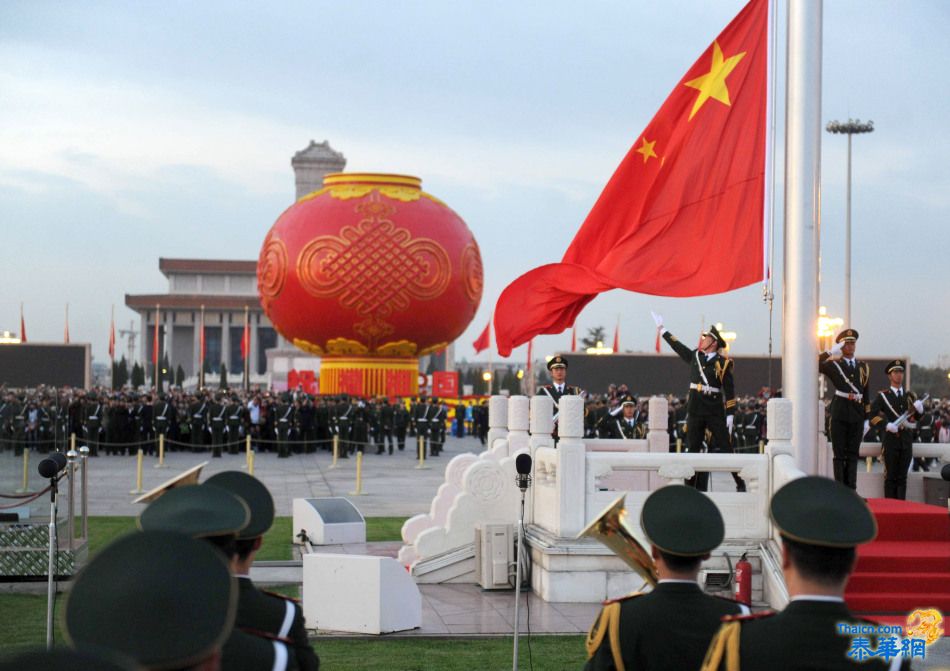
713,83
647,150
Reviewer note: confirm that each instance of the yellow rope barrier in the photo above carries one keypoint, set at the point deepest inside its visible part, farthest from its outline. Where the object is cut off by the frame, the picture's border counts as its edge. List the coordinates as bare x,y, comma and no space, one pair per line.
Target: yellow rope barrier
250,459
679,445
336,451
138,473
359,475
422,454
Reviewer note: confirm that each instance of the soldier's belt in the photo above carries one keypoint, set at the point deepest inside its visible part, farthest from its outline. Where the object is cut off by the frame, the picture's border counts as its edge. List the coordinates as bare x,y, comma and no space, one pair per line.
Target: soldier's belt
849,395
703,388
235,417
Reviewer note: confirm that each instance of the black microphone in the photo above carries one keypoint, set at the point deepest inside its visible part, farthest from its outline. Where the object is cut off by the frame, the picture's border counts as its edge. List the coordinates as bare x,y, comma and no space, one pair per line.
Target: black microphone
523,466
945,472
51,465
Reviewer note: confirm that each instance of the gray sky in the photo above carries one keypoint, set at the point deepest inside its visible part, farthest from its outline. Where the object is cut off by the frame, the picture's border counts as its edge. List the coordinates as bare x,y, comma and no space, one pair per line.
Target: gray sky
130,131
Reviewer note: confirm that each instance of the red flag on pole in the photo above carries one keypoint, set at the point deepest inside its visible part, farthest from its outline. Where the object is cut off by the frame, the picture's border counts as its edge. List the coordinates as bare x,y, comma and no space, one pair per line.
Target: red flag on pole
617,336
201,341
246,339
66,328
22,325
683,215
112,338
155,342
483,341
657,346
573,339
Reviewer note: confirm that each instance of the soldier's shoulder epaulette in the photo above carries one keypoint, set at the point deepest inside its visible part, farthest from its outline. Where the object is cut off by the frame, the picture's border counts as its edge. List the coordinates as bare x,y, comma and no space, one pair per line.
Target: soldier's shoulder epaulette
280,596
748,617
621,599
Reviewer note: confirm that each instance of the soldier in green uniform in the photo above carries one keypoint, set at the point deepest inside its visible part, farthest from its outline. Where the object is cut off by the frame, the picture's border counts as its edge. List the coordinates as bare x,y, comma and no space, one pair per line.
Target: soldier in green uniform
273,614
20,426
198,414
8,409
625,424
344,421
850,405
400,423
217,516
557,368
45,423
235,414
821,523
711,404
670,627
897,411
164,417
217,415
387,416
161,599
437,427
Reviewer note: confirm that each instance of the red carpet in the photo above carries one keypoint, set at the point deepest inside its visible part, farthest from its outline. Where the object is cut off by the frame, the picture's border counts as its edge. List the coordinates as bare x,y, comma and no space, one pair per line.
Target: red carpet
907,566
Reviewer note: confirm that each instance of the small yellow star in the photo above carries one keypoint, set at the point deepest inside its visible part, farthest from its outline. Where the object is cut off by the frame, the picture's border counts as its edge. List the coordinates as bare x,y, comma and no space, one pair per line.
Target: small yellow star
647,150
713,83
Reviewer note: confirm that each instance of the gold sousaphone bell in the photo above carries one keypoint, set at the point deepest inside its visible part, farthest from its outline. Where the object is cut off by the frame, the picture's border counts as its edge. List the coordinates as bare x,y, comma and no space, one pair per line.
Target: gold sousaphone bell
611,529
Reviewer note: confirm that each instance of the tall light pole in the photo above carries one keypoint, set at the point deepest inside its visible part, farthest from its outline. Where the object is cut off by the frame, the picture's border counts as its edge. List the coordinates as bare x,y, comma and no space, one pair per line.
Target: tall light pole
851,127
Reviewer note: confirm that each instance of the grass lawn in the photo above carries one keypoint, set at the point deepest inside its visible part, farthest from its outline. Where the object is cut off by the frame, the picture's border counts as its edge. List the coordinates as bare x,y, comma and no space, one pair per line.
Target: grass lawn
548,653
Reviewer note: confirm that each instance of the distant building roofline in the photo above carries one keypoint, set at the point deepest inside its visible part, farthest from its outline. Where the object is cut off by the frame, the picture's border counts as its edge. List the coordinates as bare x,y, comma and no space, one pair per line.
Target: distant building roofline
207,266
192,302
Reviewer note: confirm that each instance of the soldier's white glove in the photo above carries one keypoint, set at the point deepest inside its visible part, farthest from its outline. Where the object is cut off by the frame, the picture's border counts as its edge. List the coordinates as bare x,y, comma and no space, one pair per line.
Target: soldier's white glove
919,407
657,319
835,350
867,425
730,419
892,427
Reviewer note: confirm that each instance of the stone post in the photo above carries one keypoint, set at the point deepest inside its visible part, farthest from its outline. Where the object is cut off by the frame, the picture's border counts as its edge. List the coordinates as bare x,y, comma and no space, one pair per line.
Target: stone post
541,426
658,437
517,424
571,467
497,419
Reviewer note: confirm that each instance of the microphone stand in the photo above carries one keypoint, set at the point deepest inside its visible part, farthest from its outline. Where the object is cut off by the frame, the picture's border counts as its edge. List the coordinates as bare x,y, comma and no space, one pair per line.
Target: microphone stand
51,567
524,481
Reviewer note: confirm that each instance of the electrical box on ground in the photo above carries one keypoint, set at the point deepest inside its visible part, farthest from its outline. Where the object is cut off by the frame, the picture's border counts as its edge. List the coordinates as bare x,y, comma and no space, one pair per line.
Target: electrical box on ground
494,555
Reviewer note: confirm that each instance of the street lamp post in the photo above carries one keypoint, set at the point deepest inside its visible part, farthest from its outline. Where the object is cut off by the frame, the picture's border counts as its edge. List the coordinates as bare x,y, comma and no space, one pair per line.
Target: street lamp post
849,128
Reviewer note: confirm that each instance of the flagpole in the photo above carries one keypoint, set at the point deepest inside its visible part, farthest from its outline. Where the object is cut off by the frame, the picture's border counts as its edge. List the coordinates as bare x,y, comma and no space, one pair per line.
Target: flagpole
802,220
201,351
112,346
246,343
66,329
156,346
491,378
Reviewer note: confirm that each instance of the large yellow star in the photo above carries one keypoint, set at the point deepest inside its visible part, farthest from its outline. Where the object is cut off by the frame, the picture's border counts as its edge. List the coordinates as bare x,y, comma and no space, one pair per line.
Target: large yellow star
647,150
713,83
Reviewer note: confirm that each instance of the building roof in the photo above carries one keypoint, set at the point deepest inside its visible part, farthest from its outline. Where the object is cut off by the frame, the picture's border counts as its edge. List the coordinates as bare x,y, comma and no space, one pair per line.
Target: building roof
192,302
318,152
207,266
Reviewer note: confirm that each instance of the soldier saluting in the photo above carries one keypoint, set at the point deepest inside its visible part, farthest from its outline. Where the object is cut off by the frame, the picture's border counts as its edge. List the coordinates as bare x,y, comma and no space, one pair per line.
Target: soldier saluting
899,409
623,425
557,368
850,405
711,404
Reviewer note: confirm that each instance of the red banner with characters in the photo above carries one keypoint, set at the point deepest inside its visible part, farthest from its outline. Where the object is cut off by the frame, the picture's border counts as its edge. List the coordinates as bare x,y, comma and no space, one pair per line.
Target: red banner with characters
445,384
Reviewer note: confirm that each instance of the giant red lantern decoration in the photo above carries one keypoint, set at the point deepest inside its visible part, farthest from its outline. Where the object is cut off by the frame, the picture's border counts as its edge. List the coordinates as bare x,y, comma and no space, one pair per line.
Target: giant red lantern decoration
370,272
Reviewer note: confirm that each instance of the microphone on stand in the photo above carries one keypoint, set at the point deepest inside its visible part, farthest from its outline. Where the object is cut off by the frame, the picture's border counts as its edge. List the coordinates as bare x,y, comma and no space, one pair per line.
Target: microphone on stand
523,480
523,467
52,465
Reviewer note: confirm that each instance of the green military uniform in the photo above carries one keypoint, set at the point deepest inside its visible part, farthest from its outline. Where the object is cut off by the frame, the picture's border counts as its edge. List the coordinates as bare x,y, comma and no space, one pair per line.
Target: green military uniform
897,446
235,421
217,515
160,598
217,413
199,418
273,615
620,427
285,422
670,627
164,416
92,424
556,391
820,513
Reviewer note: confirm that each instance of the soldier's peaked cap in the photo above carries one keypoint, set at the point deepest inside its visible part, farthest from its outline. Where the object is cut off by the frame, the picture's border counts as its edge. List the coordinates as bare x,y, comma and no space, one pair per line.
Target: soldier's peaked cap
819,511
196,511
628,400
254,493
683,521
896,364
163,599
848,335
714,332
557,362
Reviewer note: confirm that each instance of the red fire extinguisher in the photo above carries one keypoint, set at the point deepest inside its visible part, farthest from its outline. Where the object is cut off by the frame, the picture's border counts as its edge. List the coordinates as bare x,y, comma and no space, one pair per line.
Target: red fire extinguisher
743,581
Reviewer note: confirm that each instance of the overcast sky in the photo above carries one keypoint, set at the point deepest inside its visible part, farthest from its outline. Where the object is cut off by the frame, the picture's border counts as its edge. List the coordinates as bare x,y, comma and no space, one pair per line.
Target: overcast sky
130,131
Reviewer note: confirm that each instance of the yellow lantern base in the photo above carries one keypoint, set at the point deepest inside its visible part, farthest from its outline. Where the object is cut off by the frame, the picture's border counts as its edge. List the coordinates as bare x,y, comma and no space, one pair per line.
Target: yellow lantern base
369,376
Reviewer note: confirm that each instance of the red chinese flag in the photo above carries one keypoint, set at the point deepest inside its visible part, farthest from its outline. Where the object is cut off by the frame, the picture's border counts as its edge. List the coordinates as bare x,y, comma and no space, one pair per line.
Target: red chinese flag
483,341
112,339
245,341
22,326
683,213
573,339
617,337
155,340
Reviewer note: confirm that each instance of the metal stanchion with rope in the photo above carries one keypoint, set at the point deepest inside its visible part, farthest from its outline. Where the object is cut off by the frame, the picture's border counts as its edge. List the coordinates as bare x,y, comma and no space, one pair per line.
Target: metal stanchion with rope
138,473
359,475
422,454
25,487
679,446
161,451
247,454
250,462
336,451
